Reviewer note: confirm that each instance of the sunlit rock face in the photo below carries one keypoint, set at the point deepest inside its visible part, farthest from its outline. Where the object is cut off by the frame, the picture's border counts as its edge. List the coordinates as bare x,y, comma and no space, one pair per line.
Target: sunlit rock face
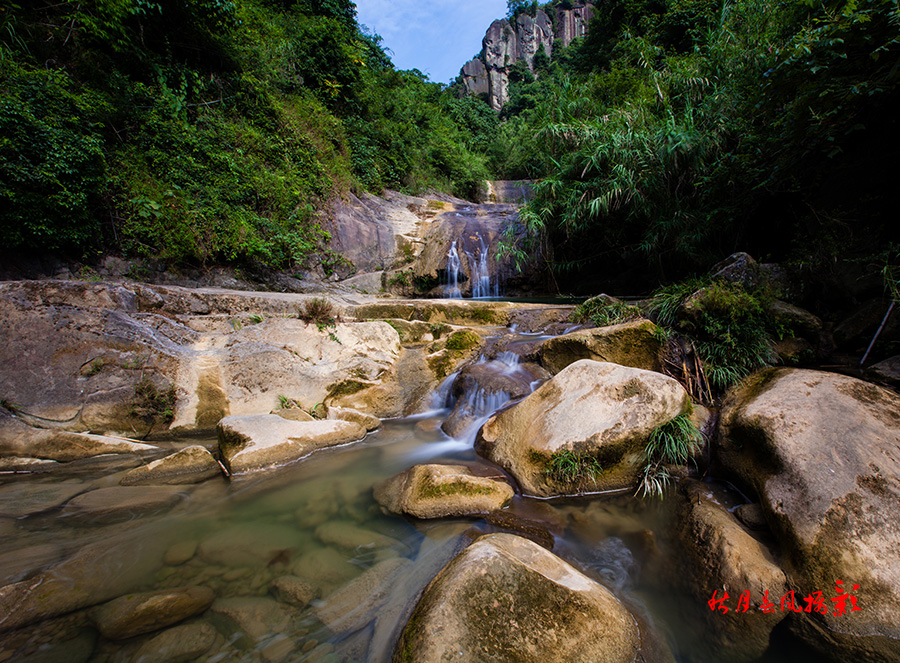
506,43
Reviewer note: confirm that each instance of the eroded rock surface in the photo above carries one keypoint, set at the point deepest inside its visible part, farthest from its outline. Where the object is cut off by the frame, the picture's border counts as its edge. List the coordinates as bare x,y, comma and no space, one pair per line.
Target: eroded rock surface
136,614
189,465
634,344
594,410
822,452
504,598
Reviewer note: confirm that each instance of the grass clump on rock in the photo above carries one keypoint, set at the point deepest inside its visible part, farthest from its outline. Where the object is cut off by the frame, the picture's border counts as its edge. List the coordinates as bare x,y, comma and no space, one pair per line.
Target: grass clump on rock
462,340
152,403
673,443
567,466
319,311
604,311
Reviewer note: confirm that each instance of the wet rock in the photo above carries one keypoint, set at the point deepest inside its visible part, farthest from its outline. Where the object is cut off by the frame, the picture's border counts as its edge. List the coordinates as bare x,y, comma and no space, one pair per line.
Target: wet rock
800,321
251,545
249,619
438,491
634,344
122,503
293,590
590,410
24,498
348,535
886,372
793,350
181,644
24,562
256,442
752,516
190,465
719,555
738,268
367,421
822,453
181,552
27,465
136,614
325,569
356,604
505,594
536,320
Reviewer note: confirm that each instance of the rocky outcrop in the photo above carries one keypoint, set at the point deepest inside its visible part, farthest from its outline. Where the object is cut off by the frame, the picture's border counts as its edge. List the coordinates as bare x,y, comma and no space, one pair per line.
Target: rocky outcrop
505,598
886,371
593,416
634,344
254,443
506,43
190,465
438,491
822,452
718,555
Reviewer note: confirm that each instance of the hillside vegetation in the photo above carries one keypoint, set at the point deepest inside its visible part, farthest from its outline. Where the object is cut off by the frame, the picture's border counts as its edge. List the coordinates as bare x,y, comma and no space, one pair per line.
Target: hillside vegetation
210,131
679,131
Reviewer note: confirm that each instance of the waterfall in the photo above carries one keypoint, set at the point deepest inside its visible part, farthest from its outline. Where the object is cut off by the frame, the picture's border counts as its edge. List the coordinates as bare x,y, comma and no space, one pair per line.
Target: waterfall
453,265
481,273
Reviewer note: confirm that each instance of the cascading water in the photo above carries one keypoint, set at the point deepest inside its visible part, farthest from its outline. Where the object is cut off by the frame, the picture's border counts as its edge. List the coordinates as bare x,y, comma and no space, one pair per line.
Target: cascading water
453,265
481,273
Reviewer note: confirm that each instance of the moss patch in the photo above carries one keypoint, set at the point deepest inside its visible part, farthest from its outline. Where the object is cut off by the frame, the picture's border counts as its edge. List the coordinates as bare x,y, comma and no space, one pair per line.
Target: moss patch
346,388
462,340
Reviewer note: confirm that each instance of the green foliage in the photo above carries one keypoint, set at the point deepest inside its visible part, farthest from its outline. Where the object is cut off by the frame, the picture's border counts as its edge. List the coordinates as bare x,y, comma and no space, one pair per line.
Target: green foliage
462,340
319,311
152,404
603,312
567,466
671,443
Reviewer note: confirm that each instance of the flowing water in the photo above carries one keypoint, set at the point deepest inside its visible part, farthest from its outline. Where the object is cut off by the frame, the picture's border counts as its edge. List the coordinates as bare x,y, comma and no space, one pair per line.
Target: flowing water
317,522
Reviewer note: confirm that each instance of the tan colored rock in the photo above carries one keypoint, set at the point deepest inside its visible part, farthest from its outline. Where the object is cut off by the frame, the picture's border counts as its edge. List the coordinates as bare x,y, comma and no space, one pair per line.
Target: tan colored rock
253,443
249,544
721,556
505,598
357,603
181,644
293,414
181,552
348,535
367,421
325,569
20,499
189,465
634,344
596,410
438,491
119,503
822,452
250,619
136,614
293,590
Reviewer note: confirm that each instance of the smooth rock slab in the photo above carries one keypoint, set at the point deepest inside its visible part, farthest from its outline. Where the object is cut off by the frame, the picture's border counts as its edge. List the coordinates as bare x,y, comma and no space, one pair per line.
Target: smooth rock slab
596,409
189,465
136,614
250,545
438,491
506,599
118,503
252,618
347,535
254,443
24,498
367,421
632,344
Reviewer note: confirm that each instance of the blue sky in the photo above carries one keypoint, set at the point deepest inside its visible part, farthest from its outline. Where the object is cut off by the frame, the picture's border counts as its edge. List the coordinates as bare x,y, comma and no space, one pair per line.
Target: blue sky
436,37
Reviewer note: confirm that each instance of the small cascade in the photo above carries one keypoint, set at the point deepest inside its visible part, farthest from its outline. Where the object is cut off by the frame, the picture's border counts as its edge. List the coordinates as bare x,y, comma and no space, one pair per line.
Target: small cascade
481,273
453,265
510,359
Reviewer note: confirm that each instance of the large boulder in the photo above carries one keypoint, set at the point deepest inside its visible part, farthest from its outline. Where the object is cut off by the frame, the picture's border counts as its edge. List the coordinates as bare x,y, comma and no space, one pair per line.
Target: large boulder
886,371
634,344
437,491
504,598
719,556
258,442
593,413
822,452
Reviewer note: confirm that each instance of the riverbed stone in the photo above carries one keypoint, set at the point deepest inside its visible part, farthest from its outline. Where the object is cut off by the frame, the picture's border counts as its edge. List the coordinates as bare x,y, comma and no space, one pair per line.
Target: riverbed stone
438,491
505,598
180,644
250,545
719,555
252,443
367,421
325,569
18,564
189,465
136,614
250,618
590,409
634,344
358,602
24,498
350,536
293,590
822,453
119,503
181,552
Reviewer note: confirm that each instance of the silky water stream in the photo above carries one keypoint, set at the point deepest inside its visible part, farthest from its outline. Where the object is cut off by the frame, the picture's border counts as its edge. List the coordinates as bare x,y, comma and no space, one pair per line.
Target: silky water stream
315,522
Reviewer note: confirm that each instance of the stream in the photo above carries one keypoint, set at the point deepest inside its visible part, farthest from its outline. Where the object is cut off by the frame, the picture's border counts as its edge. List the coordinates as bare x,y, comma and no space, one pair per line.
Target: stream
317,521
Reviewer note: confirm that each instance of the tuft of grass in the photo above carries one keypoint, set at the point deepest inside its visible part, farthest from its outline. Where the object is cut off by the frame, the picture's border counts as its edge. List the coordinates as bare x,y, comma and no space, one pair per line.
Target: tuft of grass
673,443
438,329
567,466
320,311
286,403
255,319
153,404
94,367
604,312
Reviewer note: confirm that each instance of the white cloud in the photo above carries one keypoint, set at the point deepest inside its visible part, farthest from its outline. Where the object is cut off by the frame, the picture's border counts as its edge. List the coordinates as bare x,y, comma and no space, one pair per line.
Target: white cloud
435,36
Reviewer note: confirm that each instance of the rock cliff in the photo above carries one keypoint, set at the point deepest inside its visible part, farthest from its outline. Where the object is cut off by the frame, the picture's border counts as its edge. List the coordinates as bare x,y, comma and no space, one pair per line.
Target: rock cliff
507,42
